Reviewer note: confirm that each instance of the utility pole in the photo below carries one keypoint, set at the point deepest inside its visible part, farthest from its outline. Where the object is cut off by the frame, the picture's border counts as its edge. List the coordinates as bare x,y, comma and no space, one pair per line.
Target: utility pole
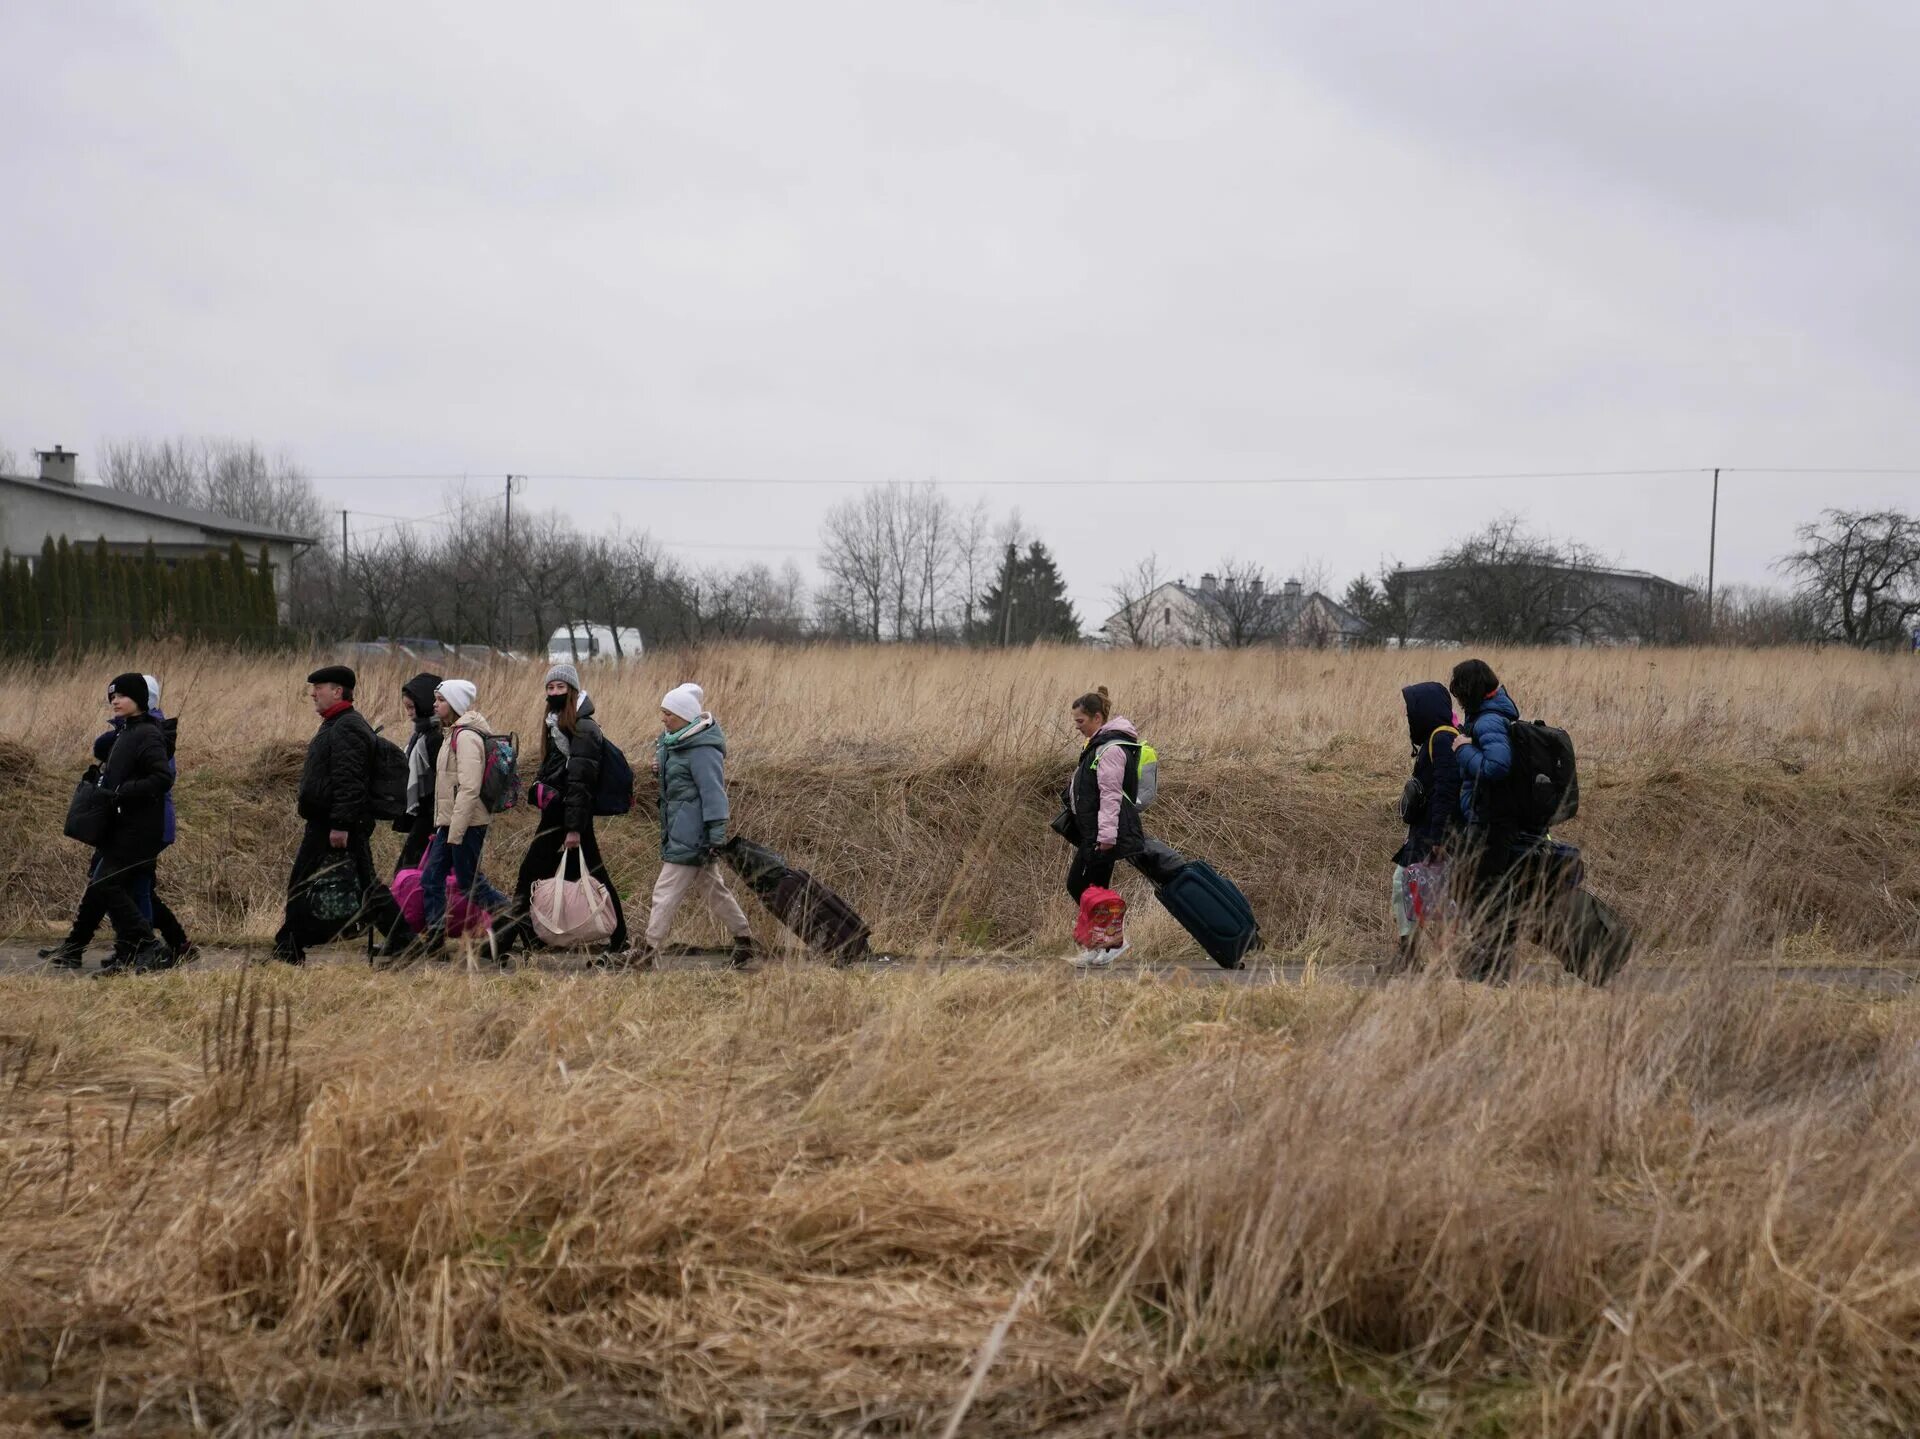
507,549
1713,546
343,540
1006,605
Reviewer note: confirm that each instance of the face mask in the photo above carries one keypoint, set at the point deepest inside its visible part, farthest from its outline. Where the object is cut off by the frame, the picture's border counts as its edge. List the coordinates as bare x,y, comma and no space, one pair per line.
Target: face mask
556,703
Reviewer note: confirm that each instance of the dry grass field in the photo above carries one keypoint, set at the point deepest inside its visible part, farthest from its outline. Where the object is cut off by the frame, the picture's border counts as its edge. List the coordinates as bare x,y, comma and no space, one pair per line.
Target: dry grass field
1002,1200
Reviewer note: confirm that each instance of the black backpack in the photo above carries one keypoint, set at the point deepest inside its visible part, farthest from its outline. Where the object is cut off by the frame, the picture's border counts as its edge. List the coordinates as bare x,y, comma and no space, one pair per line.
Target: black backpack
1543,787
614,793
387,780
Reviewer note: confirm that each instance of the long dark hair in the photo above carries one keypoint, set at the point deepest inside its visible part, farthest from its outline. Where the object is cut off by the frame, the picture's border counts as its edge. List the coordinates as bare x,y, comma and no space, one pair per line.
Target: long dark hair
569,716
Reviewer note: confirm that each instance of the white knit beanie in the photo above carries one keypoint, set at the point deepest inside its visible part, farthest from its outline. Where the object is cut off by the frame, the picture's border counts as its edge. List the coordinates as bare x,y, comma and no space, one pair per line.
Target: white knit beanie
459,694
687,701
153,691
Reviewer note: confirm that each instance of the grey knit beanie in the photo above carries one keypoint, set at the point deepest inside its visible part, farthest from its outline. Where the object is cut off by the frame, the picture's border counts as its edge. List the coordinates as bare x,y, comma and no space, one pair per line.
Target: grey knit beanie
566,673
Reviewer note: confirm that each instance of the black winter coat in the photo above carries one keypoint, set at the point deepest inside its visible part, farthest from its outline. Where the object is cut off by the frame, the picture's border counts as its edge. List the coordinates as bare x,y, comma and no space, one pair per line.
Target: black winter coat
574,777
139,775
1082,796
333,782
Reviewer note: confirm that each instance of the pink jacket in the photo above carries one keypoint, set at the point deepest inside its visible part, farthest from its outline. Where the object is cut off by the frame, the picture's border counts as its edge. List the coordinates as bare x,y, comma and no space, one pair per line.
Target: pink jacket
1112,774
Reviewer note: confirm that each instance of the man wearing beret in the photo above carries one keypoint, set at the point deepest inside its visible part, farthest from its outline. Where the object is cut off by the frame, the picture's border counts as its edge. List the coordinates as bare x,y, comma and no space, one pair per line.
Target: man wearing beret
337,806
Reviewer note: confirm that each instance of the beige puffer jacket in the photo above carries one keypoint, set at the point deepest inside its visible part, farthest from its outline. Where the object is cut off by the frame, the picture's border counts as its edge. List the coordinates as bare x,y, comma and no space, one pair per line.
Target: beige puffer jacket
457,775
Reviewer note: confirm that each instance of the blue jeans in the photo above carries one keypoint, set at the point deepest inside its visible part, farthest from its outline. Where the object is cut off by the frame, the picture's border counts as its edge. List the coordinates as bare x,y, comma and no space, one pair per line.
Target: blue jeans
464,858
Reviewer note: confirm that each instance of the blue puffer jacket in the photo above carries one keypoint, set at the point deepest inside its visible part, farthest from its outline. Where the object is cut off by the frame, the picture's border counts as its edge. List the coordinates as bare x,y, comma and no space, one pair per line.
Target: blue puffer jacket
103,746
693,792
1489,759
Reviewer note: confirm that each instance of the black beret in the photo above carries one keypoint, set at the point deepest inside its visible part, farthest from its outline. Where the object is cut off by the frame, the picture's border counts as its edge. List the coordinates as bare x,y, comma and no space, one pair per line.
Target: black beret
332,675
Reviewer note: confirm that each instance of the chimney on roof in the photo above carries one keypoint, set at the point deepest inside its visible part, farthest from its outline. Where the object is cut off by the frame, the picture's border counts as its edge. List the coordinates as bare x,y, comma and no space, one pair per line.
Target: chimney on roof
1209,583
1291,589
57,466
1259,587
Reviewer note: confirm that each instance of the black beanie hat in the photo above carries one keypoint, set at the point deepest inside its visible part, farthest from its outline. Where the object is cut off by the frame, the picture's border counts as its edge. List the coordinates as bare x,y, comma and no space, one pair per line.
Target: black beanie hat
133,686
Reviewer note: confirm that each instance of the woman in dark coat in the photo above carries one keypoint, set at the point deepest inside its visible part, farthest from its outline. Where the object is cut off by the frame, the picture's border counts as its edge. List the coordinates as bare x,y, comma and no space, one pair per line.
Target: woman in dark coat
71,952
423,749
138,775
563,792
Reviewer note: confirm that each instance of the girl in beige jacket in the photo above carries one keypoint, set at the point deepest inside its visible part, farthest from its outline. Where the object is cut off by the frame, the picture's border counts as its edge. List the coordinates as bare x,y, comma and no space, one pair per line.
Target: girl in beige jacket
460,816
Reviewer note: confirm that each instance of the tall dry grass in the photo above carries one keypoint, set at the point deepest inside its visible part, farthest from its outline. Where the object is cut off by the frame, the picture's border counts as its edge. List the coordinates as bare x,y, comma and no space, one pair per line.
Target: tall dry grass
1750,803
972,1202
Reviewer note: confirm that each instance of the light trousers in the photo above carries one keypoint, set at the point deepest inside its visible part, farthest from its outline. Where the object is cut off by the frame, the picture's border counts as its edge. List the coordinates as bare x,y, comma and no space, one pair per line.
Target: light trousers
676,883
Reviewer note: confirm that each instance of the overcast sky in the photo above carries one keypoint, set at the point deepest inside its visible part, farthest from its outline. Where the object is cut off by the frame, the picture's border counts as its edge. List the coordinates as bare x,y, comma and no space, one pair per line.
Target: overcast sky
989,243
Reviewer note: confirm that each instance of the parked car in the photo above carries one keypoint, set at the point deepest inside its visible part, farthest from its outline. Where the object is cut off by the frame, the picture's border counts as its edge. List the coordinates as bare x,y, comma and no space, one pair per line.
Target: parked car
583,640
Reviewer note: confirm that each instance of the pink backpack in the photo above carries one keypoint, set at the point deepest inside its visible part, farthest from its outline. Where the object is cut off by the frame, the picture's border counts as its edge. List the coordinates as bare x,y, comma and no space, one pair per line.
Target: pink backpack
463,917
1103,919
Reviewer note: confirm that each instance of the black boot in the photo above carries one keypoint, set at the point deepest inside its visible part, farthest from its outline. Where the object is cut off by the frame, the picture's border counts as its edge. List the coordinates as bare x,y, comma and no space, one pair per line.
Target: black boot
152,955
400,939
65,955
746,955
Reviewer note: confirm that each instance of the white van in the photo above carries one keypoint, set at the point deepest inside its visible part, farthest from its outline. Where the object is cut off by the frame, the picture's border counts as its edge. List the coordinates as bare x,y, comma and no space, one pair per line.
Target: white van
579,641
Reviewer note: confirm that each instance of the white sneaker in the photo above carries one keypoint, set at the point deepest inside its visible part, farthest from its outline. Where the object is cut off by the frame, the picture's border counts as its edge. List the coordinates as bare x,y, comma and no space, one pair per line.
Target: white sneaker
1098,958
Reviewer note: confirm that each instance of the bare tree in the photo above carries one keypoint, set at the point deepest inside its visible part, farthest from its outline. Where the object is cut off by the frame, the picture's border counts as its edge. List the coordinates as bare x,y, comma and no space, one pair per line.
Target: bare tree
230,477
1132,621
1241,609
1505,585
1860,572
9,461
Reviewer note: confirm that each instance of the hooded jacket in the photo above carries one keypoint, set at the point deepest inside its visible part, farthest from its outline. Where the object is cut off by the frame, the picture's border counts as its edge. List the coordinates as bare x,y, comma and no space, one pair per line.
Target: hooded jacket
169,731
138,774
1489,759
457,774
1098,794
423,750
571,767
693,791
1435,768
333,782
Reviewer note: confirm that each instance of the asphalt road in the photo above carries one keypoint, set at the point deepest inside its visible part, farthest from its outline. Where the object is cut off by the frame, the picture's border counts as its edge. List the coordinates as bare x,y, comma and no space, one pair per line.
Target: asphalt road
20,958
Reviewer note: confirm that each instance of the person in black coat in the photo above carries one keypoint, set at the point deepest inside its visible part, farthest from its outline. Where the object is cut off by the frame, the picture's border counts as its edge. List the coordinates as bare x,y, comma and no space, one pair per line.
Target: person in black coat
563,792
138,776
1430,805
423,749
71,952
337,806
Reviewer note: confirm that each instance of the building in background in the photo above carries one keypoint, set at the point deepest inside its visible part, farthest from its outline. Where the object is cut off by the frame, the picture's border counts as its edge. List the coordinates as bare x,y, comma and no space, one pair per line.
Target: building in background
1531,602
54,504
1217,614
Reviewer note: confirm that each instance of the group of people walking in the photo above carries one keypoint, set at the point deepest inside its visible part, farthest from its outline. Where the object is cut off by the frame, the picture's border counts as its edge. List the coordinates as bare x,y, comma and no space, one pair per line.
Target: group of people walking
1466,852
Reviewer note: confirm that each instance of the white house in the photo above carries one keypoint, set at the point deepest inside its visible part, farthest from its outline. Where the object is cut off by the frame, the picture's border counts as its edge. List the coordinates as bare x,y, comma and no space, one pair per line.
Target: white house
55,504
1218,614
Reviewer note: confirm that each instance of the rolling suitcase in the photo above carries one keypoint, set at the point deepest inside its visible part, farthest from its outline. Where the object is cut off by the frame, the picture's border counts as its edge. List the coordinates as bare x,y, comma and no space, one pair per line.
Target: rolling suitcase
1590,938
802,903
1212,910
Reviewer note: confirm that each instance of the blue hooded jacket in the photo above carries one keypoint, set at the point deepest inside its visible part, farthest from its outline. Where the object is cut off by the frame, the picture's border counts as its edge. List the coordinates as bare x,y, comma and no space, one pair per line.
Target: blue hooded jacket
1489,759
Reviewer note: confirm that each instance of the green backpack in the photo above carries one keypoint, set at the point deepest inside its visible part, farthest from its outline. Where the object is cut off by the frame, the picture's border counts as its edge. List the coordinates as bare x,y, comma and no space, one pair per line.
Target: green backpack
1148,780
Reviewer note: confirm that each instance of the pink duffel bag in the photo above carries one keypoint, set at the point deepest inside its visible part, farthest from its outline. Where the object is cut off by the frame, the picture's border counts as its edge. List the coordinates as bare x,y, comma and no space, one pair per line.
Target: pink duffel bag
463,917
571,913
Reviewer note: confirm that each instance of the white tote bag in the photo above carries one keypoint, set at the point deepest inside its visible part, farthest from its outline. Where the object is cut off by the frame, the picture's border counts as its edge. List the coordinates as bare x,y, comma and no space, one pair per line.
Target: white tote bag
572,913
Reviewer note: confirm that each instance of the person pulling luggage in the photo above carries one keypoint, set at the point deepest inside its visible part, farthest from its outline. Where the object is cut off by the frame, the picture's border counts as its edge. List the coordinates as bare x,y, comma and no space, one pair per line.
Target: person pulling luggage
690,759
563,791
336,804
1102,799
